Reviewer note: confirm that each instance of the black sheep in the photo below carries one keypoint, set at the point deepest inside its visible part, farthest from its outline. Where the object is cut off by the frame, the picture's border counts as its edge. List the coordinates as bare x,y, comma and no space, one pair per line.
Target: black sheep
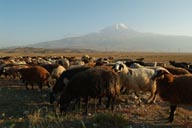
62,81
92,83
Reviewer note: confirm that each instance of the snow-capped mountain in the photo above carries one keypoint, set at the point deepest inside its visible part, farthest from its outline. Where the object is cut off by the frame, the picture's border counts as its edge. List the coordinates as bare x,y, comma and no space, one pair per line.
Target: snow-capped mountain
120,37
117,28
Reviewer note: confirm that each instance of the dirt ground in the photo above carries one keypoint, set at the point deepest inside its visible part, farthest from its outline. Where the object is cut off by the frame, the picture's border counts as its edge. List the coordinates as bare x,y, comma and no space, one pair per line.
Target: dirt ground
17,103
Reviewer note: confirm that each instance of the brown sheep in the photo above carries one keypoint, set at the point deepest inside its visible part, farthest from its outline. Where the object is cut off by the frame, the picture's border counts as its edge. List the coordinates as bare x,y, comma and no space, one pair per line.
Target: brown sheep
92,83
50,67
12,70
34,74
175,89
177,70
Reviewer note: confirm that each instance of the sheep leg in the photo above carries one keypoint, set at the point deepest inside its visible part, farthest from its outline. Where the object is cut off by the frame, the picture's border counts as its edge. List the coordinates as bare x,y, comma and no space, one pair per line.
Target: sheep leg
171,116
108,102
95,106
32,86
40,86
86,107
138,98
26,86
100,101
152,97
77,103
112,103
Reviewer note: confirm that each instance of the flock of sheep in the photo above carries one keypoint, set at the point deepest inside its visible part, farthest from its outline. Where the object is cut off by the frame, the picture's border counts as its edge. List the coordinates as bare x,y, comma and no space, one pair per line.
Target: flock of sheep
72,80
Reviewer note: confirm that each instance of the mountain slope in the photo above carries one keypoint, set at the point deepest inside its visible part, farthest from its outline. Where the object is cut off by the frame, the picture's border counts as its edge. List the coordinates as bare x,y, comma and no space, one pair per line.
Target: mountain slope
121,38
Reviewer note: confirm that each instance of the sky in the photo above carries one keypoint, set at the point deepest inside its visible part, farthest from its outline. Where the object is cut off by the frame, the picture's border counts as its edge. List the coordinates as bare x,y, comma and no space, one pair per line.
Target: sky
31,21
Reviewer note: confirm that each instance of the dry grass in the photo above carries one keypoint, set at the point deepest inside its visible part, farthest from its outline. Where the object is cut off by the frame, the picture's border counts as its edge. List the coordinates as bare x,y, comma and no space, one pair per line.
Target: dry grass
21,108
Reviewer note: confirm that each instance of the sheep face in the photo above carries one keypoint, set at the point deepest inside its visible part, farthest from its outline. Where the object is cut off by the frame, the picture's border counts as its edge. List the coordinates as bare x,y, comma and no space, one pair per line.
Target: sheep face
118,67
159,74
59,85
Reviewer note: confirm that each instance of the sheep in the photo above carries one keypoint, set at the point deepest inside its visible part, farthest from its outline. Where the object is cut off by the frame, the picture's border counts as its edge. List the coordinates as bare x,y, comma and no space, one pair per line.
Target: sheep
57,72
190,68
54,69
12,70
64,62
128,63
3,69
85,58
63,80
136,65
177,70
49,67
162,64
179,64
92,83
34,74
151,64
102,61
76,63
138,79
175,89
173,70
2,66
119,66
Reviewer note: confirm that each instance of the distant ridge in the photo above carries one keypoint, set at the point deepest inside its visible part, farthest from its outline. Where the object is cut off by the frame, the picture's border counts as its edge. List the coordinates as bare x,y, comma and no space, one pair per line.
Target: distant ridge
120,37
44,50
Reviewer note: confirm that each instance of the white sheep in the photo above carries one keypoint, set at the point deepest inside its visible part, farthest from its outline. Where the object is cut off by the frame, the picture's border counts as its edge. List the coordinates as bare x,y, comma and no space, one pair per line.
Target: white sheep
136,65
64,62
57,72
138,79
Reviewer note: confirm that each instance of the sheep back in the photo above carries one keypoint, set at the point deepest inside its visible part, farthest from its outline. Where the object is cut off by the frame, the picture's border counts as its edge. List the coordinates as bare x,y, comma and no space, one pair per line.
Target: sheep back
67,74
36,74
94,83
139,79
177,70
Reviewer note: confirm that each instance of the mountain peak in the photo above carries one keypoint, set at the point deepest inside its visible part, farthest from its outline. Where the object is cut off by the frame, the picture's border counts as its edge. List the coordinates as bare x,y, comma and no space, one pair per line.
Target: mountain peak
121,26
116,28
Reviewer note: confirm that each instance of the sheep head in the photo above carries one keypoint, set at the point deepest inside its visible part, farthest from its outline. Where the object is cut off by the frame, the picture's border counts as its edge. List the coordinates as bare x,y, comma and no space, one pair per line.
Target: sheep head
172,62
120,67
163,75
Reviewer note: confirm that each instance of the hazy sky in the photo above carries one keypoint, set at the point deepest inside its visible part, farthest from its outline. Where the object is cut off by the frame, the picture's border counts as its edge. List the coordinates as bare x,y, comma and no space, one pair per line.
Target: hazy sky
31,21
